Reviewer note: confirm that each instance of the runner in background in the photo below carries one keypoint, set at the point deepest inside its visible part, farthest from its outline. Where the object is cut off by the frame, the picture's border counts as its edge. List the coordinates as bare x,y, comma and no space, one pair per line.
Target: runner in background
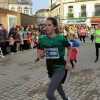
74,45
38,36
92,31
82,34
54,47
97,42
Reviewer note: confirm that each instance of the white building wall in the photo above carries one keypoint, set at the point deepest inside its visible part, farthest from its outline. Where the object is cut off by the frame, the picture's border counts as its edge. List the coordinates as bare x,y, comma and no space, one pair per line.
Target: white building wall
65,10
77,10
90,8
41,17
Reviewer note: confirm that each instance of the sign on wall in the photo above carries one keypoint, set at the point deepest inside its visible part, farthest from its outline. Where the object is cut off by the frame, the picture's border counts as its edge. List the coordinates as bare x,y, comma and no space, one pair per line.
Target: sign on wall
76,20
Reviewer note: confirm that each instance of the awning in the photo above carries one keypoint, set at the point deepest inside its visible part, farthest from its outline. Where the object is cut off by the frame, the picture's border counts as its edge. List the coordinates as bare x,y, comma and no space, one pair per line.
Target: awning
95,21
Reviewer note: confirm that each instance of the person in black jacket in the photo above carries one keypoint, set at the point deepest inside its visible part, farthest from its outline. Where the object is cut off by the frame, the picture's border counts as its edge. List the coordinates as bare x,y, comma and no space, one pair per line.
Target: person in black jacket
12,33
3,38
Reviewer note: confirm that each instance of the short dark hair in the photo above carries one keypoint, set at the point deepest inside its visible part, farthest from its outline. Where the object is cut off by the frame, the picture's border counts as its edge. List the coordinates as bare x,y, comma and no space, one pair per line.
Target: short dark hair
1,24
54,21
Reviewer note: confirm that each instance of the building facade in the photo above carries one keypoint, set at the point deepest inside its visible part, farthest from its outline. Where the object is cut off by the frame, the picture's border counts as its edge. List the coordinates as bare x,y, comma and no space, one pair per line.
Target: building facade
40,16
22,6
76,11
8,18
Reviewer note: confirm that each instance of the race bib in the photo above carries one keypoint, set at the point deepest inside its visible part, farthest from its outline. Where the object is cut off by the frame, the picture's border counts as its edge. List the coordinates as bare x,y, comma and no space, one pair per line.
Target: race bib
51,53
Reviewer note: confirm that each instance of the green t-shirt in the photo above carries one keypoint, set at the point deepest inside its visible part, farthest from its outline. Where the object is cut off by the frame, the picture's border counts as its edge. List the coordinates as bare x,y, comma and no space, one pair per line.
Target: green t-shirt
97,32
59,42
24,34
92,32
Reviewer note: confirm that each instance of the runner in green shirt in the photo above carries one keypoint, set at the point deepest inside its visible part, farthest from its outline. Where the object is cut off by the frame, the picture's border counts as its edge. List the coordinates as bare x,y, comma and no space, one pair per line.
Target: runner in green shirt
53,47
92,31
97,42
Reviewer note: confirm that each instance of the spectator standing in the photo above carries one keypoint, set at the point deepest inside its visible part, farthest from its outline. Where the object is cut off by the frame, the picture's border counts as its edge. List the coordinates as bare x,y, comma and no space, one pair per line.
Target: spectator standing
18,39
29,35
12,33
25,32
3,38
11,43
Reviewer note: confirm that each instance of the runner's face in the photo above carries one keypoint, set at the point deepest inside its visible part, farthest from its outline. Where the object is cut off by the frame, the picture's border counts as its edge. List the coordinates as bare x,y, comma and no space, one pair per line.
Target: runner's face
49,27
71,37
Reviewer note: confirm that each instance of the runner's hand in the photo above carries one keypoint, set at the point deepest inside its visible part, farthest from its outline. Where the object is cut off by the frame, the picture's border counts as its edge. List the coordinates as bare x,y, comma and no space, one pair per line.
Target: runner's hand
67,67
42,54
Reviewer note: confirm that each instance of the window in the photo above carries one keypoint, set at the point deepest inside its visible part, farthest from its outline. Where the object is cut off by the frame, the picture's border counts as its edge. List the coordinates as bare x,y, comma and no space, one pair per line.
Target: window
97,9
30,10
12,8
70,11
40,20
26,10
19,9
83,11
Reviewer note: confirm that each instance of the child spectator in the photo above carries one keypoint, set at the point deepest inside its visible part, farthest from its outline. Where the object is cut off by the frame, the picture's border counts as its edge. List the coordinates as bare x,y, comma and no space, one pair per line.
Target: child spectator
74,45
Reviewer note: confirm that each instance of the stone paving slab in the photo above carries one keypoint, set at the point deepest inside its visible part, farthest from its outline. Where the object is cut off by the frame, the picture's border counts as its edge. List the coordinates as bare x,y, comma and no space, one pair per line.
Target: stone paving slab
23,79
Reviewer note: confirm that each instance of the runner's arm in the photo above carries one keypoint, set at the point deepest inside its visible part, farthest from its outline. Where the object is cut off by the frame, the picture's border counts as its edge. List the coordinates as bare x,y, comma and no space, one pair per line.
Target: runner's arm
68,57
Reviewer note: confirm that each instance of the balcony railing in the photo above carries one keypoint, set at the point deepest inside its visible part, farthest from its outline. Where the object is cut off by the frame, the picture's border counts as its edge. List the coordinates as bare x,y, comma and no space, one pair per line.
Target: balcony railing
53,6
70,15
83,14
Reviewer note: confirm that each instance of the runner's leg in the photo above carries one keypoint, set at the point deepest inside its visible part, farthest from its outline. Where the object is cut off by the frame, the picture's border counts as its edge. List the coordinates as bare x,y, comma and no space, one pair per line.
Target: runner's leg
54,84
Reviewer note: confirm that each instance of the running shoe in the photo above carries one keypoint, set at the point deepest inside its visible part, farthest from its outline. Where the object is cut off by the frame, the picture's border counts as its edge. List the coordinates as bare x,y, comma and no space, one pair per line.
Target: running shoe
37,60
69,98
96,60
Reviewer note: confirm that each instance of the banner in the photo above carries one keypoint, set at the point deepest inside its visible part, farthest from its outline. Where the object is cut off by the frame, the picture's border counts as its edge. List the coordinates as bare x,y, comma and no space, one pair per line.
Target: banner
76,20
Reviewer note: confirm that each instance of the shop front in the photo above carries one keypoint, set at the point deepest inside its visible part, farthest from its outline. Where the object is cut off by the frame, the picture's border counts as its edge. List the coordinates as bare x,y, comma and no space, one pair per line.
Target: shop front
95,21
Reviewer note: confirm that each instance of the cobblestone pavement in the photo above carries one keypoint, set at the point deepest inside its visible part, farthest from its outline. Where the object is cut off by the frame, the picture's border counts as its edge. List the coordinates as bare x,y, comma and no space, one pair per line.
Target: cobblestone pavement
23,79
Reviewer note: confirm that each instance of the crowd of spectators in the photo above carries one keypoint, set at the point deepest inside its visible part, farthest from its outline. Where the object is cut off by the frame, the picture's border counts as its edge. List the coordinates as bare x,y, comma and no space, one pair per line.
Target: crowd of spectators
20,38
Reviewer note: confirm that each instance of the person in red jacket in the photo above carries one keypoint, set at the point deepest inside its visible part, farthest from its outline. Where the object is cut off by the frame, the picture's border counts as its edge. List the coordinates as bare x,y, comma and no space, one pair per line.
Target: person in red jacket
28,37
74,45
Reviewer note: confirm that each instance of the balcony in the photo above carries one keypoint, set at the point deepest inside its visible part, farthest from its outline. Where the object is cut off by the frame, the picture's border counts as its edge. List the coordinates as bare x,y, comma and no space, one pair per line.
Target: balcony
70,15
83,14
